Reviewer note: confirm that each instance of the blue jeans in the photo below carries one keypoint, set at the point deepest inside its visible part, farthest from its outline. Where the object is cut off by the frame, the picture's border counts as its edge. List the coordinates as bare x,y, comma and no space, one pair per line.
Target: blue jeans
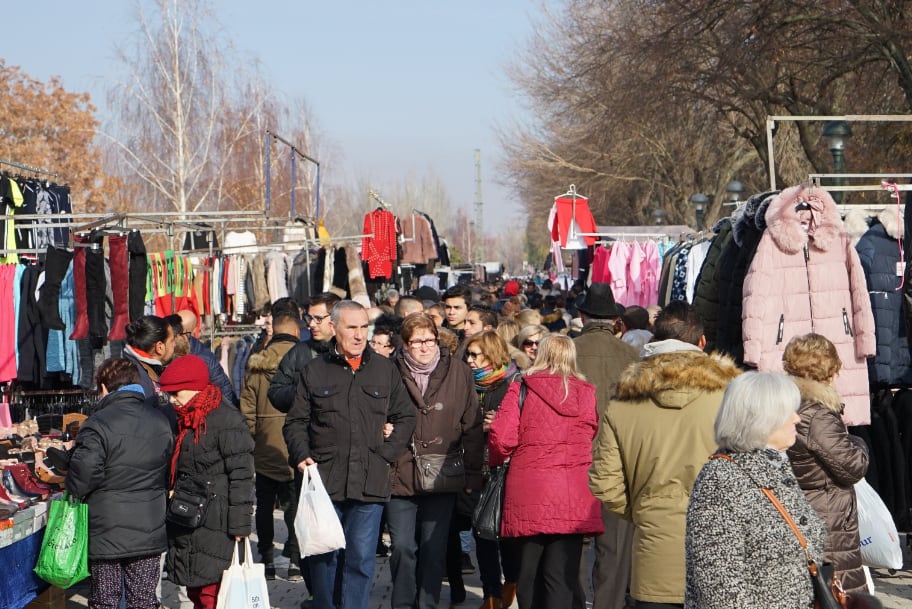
419,527
361,524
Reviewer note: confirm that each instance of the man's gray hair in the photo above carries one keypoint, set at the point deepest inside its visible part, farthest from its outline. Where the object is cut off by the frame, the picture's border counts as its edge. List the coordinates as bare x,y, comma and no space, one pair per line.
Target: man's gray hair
754,405
344,305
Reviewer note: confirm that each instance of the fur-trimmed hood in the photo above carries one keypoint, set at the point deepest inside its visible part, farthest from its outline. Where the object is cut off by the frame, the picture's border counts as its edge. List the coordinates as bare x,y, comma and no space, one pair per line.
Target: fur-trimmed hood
267,360
753,215
822,393
672,379
785,223
892,222
856,225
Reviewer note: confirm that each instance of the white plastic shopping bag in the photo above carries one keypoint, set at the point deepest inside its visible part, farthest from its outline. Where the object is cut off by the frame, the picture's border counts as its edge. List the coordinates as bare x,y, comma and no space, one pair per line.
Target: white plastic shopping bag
316,523
243,584
879,539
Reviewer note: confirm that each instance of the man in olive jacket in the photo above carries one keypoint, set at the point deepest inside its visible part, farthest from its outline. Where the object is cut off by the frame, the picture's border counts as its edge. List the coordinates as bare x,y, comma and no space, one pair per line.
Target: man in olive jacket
602,357
653,439
344,398
274,477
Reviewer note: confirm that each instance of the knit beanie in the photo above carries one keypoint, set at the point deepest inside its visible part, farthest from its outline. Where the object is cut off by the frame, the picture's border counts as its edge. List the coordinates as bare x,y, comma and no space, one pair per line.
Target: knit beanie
511,288
186,372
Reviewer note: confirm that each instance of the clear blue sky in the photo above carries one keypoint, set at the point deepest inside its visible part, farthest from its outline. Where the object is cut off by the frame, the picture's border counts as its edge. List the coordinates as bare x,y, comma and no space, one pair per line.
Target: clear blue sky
400,87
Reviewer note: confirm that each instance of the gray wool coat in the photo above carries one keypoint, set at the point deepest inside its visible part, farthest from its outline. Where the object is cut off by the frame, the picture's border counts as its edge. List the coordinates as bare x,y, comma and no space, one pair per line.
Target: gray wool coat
740,552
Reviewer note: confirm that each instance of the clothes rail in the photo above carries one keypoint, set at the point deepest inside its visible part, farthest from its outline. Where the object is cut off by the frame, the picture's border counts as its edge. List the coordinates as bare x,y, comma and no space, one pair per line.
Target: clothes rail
29,168
817,180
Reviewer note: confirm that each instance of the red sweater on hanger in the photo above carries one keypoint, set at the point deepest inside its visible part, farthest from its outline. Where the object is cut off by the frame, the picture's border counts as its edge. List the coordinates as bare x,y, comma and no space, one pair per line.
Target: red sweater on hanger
379,250
565,214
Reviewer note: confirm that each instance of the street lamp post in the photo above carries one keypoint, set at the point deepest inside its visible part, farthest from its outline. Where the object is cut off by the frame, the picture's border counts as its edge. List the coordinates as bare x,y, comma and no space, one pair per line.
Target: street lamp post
699,201
836,133
735,190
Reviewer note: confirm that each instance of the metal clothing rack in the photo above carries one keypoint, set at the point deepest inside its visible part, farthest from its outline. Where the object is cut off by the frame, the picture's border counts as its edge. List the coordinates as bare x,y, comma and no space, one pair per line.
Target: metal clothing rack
295,152
29,168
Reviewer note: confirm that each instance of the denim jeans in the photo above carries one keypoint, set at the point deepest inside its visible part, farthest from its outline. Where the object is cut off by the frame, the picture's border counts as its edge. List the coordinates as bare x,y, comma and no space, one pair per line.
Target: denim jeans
419,527
361,523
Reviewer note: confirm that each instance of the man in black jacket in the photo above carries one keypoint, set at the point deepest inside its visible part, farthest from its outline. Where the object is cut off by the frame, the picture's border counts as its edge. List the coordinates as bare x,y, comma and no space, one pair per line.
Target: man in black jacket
344,398
282,387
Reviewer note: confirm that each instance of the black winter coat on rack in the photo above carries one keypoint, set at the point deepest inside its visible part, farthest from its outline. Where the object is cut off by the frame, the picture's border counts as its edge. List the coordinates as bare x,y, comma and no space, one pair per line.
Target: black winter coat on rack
734,262
706,290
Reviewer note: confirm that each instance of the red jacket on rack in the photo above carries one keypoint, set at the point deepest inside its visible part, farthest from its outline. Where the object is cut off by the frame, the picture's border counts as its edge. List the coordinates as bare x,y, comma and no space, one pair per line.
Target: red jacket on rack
379,249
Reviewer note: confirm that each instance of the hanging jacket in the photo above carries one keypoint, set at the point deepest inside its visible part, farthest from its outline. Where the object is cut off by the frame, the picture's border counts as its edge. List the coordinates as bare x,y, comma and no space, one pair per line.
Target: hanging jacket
735,260
878,250
811,280
828,462
706,291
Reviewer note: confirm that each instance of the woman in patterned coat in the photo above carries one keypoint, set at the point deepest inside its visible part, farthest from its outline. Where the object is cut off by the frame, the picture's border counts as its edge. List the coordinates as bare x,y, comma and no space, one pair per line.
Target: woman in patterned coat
740,552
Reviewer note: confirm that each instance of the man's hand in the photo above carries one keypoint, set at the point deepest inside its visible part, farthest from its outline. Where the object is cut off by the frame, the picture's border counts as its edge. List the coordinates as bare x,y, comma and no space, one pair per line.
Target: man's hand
387,430
302,466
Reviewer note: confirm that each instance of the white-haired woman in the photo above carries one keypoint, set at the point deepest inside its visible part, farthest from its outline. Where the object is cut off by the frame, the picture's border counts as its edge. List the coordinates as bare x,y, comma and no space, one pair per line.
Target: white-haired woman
740,551
547,504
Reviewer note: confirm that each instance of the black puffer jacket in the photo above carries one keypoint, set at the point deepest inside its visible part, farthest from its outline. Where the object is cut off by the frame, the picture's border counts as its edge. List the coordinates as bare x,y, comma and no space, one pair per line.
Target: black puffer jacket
706,291
224,458
337,420
828,462
284,383
120,467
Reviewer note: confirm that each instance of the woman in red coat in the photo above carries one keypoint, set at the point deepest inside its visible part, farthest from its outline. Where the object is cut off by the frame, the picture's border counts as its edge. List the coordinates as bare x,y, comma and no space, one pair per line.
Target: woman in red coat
547,504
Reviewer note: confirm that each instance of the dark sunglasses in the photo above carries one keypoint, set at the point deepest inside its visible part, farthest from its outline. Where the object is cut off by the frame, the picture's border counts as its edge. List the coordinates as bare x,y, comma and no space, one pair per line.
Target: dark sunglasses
530,343
473,353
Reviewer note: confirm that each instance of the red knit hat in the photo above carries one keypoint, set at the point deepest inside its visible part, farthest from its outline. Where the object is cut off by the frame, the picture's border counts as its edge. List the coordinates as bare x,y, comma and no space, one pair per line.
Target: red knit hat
511,288
186,372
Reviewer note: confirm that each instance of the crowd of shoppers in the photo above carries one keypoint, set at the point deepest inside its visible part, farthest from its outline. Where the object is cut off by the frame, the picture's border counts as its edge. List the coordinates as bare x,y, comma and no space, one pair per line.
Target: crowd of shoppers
606,416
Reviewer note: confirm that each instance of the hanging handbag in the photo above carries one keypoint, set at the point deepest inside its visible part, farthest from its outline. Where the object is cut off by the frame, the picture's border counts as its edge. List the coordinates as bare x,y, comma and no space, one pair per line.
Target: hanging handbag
488,515
436,473
189,503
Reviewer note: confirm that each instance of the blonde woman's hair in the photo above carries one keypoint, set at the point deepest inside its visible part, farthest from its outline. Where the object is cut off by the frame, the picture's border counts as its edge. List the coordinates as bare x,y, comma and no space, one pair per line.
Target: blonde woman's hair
528,317
507,329
556,355
492,347
527,332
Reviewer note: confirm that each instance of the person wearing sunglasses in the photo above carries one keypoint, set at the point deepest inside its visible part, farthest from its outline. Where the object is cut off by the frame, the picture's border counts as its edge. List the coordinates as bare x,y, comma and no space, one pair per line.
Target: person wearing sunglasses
528,339
489,356
447,429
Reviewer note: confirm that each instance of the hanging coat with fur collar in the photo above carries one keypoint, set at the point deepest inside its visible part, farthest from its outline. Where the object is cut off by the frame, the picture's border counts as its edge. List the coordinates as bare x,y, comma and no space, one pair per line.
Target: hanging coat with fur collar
806,277
878,250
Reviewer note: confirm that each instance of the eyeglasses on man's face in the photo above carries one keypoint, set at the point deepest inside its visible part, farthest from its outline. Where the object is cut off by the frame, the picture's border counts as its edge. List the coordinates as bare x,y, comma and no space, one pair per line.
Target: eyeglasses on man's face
426,342
377,344
317,319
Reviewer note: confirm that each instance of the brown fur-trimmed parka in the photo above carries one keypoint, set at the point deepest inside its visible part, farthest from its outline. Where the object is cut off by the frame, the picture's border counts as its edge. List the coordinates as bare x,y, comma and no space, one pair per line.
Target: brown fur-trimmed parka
828,462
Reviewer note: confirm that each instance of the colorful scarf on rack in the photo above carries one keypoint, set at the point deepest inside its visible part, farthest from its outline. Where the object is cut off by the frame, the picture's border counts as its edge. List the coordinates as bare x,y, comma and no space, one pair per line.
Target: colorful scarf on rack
487,377
192,415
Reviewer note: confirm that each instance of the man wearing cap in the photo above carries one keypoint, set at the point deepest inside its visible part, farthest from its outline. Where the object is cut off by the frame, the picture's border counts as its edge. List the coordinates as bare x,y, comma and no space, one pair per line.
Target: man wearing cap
344,399
602,357
653,439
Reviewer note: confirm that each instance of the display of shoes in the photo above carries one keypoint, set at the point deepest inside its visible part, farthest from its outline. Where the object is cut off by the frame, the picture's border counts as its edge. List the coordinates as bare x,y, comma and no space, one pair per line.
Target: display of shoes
27,483
58,457
16,494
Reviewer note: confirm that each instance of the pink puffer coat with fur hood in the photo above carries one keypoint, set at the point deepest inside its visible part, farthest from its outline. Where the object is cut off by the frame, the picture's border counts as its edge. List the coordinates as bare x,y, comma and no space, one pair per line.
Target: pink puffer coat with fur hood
806,277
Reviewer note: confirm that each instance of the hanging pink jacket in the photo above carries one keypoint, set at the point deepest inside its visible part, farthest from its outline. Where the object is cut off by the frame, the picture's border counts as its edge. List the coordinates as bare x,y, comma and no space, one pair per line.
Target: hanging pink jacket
549,445
652,268
617,266
803,281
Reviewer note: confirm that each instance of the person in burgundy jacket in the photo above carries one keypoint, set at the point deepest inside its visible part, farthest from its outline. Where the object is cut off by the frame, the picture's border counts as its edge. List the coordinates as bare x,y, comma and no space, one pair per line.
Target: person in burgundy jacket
548,505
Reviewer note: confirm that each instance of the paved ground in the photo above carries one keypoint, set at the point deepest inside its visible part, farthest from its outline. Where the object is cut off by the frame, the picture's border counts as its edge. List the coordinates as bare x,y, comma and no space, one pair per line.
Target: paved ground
894,590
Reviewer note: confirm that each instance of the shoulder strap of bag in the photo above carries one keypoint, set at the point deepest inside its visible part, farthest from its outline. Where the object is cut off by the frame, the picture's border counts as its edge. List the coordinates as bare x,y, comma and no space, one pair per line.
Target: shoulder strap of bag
784,512
522,393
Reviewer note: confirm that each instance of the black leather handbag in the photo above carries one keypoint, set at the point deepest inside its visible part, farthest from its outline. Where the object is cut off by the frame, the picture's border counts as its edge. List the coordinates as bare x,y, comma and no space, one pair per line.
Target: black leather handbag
189,503
488,513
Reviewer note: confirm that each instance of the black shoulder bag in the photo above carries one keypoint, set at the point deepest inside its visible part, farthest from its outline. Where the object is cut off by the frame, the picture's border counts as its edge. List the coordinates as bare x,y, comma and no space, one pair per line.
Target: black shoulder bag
489,512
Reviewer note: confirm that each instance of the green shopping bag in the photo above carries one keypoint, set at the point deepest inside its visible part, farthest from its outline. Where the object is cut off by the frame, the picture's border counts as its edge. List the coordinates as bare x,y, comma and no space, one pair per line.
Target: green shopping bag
64,557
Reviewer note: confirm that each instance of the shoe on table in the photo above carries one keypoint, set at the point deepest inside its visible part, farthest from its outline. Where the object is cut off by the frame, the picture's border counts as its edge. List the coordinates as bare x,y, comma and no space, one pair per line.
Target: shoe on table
467,566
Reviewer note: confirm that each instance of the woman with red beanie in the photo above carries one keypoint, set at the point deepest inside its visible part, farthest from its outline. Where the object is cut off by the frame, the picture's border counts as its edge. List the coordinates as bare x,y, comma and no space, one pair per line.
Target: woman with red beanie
212,465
